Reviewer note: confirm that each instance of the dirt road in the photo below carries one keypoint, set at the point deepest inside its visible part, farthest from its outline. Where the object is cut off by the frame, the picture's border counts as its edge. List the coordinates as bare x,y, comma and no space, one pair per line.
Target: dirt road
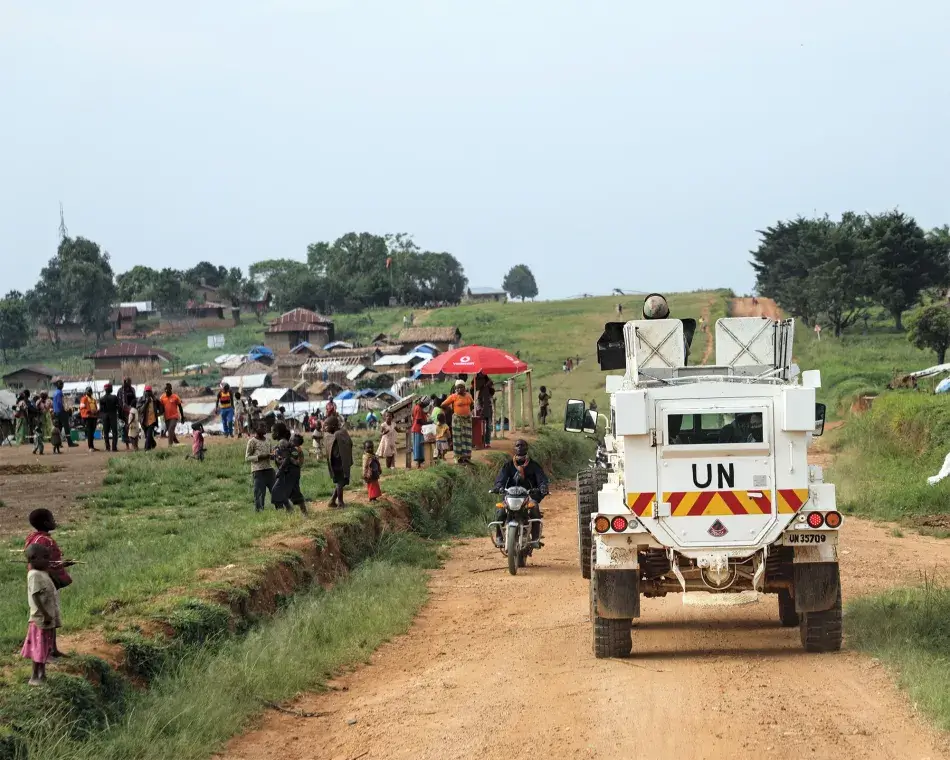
501,667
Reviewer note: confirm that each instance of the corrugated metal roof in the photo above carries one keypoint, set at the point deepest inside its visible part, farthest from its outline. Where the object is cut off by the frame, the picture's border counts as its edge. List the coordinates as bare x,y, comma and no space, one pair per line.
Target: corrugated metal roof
487,292
302,316
125,350
357,372
304,327
37,369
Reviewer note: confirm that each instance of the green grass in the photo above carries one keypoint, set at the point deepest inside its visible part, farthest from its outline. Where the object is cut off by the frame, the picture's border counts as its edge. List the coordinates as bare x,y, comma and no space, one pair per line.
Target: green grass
859,363
907,629
158,519
212,694
219,678
886,455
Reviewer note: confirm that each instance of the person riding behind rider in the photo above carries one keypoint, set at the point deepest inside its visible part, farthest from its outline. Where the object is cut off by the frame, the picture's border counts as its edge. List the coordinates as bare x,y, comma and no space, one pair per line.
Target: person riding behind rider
522,471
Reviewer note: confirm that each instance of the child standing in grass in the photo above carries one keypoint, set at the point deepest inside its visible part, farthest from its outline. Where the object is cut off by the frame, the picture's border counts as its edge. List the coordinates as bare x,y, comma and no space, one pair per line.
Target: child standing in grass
43,524
198,441
289,459
40,643
133,428
371,471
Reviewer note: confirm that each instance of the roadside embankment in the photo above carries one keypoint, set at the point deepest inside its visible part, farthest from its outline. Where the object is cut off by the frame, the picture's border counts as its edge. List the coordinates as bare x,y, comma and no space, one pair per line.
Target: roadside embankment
175,673
883,459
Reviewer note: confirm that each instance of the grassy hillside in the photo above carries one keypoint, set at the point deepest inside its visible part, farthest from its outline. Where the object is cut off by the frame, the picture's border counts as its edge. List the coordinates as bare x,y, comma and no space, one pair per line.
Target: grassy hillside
544,333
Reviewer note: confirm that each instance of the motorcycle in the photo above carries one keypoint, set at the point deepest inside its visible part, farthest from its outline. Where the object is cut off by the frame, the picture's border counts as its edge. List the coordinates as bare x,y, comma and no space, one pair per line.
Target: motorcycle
516,526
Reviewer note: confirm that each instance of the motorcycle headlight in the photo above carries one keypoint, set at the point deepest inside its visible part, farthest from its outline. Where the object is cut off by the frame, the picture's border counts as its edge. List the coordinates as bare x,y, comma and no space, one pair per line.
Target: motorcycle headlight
514,504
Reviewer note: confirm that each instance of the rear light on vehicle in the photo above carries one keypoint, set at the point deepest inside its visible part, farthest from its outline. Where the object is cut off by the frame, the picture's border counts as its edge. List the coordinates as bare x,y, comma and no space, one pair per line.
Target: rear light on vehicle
601,524
619,524
833,520
815,519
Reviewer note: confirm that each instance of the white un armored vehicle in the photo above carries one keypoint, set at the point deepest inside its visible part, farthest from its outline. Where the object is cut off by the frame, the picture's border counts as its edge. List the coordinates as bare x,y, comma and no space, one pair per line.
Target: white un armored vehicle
702,481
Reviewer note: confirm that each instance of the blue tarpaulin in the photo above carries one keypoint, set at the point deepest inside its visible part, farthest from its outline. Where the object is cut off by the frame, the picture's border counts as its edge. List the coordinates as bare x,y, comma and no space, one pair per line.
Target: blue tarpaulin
345,395
943,386
260,352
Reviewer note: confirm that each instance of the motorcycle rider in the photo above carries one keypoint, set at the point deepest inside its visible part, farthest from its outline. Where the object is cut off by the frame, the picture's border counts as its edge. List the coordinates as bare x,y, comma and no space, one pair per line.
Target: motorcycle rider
522,471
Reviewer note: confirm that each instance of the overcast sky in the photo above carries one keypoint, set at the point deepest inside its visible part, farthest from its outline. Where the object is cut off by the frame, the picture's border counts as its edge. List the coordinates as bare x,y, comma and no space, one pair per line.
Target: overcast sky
605,143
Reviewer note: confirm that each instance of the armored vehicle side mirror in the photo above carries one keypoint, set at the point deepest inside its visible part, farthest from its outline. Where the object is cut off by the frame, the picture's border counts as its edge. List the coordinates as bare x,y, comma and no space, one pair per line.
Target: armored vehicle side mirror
590,421
820,410
575,416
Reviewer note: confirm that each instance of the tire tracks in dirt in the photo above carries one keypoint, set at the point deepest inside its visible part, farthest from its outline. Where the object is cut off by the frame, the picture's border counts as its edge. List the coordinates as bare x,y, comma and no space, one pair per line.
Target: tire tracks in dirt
499,667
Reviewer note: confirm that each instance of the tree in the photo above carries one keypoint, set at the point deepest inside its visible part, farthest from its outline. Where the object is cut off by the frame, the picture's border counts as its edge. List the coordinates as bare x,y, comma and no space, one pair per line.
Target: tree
45,302
903,262
783,263
87,285
75,286
205,273
136,284
170,292
930,329
356,261
839,282
520,283
14,323
232,286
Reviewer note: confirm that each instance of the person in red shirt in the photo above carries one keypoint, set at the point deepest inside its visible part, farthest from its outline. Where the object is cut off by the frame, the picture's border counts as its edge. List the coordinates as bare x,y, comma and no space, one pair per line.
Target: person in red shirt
43,523
420,417
172,411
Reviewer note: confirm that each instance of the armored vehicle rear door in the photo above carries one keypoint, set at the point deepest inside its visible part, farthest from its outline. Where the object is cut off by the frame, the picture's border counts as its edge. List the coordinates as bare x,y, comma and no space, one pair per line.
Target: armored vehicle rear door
715,472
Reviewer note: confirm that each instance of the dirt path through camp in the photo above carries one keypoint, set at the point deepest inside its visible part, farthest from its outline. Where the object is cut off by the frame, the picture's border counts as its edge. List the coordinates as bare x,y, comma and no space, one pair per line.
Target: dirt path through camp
500,667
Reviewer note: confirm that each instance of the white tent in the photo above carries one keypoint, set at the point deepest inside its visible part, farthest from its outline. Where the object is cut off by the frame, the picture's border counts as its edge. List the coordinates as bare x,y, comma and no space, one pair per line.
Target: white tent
200,409
297,409
72,388
246,382
265,396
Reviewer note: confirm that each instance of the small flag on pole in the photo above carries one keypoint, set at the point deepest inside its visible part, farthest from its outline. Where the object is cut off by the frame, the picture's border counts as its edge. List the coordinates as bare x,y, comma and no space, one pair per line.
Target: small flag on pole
389,262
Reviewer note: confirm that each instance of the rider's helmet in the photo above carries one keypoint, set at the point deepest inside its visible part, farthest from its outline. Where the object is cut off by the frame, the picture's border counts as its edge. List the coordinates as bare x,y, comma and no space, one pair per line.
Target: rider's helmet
655,307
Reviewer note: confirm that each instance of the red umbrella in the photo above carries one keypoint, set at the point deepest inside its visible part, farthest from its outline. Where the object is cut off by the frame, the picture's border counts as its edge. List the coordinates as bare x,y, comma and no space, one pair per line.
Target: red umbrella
472,360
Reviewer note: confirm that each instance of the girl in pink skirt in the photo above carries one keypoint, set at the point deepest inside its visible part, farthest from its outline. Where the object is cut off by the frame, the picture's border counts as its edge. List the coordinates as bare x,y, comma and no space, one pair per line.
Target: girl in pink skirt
44,612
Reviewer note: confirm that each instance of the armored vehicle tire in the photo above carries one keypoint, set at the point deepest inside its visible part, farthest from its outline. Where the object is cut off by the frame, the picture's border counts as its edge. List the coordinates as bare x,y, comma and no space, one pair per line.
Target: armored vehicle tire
786,609
821,631
612,638
514,556
588,484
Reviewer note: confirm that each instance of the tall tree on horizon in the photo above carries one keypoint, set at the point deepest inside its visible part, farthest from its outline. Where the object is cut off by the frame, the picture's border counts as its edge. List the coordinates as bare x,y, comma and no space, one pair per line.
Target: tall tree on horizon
520,283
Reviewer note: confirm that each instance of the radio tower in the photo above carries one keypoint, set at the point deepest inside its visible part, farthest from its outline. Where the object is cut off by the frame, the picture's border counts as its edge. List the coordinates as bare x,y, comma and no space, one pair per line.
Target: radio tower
63,232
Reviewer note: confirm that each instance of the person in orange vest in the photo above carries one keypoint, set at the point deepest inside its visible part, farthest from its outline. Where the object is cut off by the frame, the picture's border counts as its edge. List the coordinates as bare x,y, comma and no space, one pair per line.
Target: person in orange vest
89,412
225,406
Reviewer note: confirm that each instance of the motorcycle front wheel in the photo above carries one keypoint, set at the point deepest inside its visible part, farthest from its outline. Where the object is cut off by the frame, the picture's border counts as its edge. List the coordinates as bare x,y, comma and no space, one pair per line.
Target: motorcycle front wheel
512,546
